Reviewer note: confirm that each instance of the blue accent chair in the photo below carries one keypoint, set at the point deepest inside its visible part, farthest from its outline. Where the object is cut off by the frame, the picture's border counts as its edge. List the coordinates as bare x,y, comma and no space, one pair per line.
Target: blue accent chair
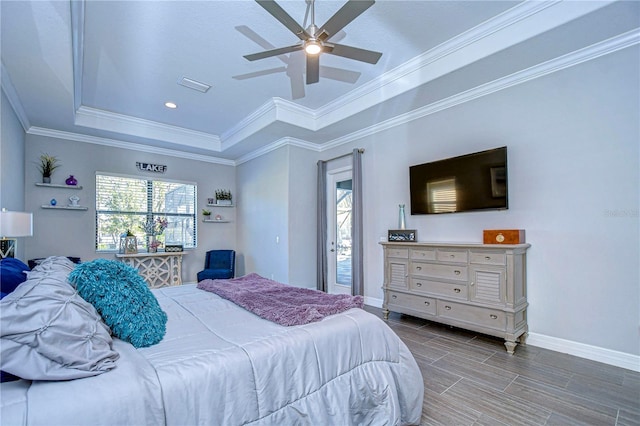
218,264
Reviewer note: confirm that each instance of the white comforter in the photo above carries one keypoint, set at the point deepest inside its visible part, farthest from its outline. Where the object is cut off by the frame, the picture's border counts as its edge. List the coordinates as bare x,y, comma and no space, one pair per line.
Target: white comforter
221,365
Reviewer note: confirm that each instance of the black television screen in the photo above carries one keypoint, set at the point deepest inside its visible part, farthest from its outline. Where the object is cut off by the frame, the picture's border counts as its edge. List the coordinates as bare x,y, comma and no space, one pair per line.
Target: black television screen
470,182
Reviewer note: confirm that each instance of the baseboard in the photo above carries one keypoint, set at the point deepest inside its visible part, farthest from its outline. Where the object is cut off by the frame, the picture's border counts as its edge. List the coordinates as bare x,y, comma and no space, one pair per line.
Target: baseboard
594,353
372,301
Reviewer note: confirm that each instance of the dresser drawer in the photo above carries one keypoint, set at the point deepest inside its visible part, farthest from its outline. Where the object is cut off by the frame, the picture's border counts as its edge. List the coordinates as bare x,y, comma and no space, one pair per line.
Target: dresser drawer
416,303
424,254
458,291
488,258
484,317
458,256
434,270
402,253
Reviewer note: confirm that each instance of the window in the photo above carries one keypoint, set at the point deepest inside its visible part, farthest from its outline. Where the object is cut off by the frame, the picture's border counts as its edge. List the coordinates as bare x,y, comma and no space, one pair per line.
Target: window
127,203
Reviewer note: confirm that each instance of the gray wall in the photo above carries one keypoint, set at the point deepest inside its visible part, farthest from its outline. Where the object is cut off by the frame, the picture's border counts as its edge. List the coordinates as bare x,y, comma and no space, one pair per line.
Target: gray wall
72,233
12,165
263,215
573,141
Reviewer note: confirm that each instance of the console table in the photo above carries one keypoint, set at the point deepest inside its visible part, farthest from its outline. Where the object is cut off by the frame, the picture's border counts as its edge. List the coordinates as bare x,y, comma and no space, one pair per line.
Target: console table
480,287
158,269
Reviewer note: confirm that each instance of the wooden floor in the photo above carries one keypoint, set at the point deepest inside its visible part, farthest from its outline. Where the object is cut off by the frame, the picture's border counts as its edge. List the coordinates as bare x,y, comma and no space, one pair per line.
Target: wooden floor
469,379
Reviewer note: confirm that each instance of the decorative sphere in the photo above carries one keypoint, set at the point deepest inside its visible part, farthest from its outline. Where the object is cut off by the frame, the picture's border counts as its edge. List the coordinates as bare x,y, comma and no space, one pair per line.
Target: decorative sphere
53,202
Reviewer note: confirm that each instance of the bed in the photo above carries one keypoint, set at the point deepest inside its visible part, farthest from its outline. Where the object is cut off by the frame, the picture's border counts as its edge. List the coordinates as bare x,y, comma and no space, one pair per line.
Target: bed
219,364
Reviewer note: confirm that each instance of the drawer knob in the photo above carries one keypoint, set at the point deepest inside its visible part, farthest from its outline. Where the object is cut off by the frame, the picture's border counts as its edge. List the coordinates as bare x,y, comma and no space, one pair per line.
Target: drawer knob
427,303
419,268
394,297
452,256
487,257
493,316
456,290
456,272
471,283
419,284
447,307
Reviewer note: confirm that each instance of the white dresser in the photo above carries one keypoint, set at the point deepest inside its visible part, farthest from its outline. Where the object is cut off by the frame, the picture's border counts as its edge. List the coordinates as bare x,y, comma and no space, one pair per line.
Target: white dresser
479,287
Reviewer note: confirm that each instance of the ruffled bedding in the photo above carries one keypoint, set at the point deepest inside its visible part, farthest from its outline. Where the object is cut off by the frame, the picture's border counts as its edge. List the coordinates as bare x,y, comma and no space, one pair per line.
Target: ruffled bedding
220,364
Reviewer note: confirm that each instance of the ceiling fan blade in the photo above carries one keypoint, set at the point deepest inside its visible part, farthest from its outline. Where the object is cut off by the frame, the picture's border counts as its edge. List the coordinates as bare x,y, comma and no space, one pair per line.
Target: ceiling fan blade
347,13
356,53
279,13
273,52
313,69
259,73
339,74
297,86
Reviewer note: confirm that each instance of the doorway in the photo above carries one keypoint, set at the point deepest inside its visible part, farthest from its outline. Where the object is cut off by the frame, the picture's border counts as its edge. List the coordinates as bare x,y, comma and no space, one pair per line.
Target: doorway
339,223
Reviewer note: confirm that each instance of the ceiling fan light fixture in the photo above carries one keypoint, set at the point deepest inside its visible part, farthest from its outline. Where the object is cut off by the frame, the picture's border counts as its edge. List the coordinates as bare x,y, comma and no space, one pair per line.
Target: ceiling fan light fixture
312,47
171,105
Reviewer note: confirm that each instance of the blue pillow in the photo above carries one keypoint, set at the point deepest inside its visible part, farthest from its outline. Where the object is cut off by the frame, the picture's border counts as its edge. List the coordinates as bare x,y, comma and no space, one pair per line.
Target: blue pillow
12,274
122,298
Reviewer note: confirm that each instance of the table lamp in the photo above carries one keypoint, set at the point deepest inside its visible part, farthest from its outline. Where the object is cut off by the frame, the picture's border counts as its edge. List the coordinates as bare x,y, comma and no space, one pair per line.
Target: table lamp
13,225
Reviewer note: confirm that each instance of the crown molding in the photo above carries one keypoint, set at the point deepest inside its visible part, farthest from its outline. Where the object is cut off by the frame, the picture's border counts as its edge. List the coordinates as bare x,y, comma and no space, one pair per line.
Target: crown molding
560,63
119,123
513,26
12,96
76,137
586,54
517,24
77,50
276,109
286,141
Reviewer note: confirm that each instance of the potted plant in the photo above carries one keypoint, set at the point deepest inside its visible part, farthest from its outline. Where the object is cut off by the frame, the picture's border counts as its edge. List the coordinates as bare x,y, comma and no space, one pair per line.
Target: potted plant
223,197
48,163
206,213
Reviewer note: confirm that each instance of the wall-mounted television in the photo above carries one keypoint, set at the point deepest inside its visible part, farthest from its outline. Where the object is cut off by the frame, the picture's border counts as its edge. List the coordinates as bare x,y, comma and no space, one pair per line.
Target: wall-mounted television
469,182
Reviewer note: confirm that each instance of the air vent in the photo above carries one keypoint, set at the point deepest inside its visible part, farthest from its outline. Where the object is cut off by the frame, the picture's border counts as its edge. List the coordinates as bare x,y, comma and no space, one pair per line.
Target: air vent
193,84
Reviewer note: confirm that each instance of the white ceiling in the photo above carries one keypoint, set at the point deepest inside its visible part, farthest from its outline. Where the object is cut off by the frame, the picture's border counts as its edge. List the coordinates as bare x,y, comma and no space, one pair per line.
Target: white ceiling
101,71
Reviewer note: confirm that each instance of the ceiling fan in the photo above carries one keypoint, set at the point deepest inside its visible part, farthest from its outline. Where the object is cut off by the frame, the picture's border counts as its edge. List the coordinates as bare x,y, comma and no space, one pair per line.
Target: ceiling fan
314,40
293,68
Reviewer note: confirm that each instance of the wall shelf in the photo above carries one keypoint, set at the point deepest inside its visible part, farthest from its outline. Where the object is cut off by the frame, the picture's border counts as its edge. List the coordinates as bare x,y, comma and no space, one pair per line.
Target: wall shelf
215,221
55,185
81,208
220,205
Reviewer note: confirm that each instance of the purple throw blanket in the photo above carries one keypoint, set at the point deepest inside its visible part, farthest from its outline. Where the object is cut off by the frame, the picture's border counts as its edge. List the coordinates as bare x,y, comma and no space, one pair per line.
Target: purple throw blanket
280,303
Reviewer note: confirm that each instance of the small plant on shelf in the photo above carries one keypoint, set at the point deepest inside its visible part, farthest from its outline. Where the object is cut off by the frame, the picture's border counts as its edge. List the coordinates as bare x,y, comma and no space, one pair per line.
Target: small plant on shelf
223,196
48,163
206,213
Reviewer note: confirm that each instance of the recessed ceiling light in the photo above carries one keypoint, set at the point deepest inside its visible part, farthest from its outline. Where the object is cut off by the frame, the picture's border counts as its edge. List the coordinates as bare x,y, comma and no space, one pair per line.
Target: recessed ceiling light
171,105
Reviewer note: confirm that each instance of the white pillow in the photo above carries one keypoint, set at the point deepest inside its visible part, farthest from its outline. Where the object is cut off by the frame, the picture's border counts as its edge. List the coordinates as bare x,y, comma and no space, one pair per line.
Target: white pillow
48,332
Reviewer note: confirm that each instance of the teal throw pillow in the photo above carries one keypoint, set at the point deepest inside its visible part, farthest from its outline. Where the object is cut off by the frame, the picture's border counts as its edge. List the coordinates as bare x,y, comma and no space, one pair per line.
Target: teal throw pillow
122,298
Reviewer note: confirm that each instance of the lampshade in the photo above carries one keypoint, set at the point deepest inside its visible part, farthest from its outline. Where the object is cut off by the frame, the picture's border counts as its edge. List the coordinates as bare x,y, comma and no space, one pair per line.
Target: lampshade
16,224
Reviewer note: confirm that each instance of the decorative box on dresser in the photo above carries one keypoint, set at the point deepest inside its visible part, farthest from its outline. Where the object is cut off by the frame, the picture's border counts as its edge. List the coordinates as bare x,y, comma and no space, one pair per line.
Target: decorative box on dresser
479,287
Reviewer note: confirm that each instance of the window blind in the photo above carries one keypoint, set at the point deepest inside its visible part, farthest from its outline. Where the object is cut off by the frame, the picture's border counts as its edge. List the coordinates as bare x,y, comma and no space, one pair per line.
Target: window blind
128,203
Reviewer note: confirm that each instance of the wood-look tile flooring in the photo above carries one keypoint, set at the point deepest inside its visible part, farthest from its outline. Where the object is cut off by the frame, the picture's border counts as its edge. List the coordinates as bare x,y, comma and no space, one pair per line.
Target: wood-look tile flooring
470,379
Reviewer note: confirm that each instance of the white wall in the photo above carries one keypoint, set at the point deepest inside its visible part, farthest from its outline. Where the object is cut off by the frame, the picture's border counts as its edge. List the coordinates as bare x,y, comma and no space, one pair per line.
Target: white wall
72,233
572,140
12,165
